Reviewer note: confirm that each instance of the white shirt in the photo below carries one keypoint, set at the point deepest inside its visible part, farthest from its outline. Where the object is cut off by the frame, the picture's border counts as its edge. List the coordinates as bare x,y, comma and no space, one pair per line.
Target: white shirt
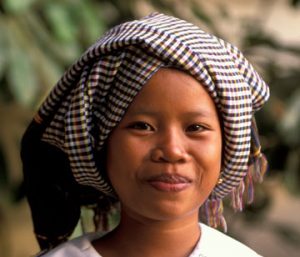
212,243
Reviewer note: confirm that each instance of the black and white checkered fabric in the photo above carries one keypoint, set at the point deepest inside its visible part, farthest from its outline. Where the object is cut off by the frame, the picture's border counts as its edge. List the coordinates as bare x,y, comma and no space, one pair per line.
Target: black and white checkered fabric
93,95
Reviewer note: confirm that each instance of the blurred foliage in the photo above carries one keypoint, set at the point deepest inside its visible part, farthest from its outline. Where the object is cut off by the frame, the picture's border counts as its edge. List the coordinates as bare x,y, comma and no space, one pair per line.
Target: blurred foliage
39,39
295,2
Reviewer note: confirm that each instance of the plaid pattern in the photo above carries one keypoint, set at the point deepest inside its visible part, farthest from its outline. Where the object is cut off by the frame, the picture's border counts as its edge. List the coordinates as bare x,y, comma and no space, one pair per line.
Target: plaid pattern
93,95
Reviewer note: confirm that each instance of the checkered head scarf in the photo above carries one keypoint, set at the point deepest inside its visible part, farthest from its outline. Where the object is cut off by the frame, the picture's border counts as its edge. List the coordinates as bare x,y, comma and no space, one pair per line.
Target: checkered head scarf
93,95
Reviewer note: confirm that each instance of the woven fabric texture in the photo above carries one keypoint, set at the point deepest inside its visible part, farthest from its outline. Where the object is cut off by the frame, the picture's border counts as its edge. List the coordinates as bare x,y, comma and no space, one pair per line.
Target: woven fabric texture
94,93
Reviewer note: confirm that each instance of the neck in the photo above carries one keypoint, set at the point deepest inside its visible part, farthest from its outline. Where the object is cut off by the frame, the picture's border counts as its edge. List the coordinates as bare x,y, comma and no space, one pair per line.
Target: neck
135,237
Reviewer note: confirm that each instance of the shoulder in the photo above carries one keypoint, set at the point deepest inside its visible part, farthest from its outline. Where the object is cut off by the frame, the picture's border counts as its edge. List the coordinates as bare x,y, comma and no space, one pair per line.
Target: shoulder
78,247
216,243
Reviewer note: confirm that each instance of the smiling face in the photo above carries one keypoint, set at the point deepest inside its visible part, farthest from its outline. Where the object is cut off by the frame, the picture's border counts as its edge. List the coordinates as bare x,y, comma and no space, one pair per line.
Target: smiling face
164,157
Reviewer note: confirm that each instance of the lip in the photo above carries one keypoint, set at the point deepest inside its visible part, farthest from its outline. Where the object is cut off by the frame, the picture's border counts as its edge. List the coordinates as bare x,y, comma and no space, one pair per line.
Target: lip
169,182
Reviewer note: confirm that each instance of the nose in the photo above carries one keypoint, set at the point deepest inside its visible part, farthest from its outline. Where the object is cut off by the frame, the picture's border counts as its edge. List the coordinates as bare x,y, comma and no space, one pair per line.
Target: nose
170,148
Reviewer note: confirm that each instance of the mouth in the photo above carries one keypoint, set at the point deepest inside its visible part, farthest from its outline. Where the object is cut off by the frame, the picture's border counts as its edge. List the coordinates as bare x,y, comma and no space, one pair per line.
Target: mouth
169,183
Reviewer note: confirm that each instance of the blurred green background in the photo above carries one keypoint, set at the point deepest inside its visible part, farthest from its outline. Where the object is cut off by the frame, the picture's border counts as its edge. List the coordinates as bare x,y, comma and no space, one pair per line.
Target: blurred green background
40,39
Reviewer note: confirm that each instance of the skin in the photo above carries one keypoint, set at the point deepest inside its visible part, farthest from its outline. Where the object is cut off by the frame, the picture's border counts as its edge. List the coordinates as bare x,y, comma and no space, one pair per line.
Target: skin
163,160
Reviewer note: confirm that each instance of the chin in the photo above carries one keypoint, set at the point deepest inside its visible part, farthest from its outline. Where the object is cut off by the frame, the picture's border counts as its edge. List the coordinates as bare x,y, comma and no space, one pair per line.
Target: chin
168,213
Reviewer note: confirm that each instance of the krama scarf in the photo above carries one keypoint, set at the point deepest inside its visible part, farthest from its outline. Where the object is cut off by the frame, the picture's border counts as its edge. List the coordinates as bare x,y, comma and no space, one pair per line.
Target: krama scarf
91,98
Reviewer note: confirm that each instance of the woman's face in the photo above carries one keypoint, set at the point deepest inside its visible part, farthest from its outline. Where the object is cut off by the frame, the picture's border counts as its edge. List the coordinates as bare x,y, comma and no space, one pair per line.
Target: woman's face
164,158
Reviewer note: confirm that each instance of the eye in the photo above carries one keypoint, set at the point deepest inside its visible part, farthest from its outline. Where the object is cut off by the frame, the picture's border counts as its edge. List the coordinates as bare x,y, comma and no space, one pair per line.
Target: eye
195,128
140,125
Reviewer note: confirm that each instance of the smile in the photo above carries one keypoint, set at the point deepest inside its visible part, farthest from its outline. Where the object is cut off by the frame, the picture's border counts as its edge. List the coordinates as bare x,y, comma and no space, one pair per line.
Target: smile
169,183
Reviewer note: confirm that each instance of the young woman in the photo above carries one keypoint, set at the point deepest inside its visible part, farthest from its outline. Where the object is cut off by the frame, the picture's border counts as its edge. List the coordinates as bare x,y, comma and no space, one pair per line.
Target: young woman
158,116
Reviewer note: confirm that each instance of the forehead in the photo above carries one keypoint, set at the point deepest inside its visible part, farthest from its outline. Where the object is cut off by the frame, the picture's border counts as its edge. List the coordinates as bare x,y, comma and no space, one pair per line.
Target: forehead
172,90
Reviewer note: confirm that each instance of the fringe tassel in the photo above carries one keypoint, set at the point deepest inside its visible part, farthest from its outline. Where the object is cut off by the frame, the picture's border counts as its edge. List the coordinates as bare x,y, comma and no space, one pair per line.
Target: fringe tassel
102,213
212,210
249,187
101,221
237,197
257,168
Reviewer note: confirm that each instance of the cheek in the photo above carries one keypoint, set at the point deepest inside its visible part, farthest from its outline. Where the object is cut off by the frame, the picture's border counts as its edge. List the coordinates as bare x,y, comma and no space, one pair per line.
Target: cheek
124,158
115,172
209,161
115,160
209,153
216,160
